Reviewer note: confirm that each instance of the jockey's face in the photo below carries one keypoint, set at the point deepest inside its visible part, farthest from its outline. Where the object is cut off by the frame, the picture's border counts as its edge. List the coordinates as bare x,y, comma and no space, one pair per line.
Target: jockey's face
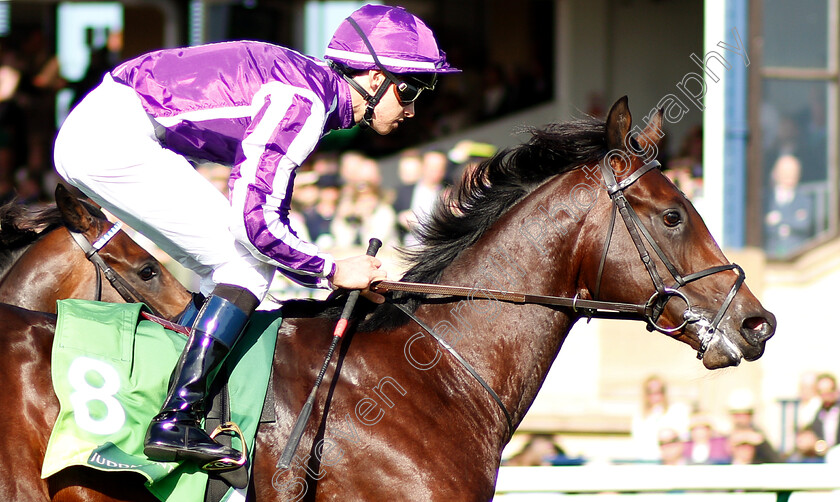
389,112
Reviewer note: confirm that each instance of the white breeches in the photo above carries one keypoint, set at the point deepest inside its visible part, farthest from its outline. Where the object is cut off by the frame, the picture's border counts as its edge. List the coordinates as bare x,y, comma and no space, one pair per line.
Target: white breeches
107,148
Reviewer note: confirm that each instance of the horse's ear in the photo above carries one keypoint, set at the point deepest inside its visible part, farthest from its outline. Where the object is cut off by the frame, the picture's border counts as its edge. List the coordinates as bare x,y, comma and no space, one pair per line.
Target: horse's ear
618,124
74,214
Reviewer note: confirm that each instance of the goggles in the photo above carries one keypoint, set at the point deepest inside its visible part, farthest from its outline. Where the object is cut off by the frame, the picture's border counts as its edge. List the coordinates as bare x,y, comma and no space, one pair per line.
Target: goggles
408,92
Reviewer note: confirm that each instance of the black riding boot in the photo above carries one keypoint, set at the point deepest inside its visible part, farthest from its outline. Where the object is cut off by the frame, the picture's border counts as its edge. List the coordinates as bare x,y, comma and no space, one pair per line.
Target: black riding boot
176,433
188,315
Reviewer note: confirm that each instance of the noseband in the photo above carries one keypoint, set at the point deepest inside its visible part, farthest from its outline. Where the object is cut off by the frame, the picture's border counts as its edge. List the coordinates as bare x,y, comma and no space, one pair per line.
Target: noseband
128,293
656,304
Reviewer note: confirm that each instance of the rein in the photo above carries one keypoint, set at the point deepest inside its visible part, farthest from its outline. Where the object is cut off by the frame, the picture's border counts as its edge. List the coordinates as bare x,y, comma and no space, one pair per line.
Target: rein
590,308
126,290
649,311
465,364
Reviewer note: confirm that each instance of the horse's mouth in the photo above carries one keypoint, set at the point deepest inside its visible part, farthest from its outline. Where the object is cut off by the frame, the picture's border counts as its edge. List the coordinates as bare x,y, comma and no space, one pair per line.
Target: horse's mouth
727,349
722,352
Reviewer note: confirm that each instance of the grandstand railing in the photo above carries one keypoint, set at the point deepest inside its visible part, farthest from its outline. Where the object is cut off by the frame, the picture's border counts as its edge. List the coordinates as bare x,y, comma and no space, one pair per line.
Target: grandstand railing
753,483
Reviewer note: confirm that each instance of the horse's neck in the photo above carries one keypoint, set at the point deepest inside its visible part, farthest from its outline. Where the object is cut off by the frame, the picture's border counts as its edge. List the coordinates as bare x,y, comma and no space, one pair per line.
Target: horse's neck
42,274
512,345
8,257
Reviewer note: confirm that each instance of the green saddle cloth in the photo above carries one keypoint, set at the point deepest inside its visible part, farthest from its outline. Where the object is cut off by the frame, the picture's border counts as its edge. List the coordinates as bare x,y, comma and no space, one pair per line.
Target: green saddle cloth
111,370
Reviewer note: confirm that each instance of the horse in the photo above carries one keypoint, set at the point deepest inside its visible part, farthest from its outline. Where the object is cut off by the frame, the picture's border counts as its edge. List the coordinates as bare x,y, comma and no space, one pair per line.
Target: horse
41,261
428,388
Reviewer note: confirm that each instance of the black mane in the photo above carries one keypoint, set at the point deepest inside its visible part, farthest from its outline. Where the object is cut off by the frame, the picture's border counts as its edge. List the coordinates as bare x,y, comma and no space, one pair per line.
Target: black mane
484,196
21,225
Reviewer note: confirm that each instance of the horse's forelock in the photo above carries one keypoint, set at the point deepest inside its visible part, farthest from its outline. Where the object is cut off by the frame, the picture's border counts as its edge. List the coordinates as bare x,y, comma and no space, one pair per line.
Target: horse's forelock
20,222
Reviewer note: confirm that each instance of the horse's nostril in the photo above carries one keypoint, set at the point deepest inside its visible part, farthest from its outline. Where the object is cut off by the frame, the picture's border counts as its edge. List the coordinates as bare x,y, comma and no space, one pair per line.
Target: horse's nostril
757,329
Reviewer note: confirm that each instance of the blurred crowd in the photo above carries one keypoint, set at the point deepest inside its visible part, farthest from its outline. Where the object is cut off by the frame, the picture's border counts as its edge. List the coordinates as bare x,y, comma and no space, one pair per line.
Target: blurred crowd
794,210
667,432
794,202
340,200
30,80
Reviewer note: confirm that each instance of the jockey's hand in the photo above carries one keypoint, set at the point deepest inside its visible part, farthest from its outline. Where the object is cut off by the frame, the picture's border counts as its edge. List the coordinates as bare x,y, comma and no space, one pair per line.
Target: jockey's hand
357,272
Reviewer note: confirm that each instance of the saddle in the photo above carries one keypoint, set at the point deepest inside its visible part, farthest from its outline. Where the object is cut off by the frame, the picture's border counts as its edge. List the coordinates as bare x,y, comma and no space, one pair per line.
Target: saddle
111,368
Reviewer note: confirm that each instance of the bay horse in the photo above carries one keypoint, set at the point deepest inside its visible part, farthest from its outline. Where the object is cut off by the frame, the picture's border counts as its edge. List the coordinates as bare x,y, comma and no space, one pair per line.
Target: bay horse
399,416
40,262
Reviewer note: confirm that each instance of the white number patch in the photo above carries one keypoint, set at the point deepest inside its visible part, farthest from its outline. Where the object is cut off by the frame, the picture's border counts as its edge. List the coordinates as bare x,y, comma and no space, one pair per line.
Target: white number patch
83,393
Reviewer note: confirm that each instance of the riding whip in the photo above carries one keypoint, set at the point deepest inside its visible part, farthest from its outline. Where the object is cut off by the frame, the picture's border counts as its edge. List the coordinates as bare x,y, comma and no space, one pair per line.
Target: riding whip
297,431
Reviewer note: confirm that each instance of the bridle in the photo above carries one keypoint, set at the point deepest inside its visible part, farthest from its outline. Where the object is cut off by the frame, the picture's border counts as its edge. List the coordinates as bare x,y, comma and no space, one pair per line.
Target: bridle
656,304
126,290
649,311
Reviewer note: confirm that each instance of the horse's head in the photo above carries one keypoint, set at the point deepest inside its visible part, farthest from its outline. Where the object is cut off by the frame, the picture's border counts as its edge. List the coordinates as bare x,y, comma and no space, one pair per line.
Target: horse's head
135,267
692,291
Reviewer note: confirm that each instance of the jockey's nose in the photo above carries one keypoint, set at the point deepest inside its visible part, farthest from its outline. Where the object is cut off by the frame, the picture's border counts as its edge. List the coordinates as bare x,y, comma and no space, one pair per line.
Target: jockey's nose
409,110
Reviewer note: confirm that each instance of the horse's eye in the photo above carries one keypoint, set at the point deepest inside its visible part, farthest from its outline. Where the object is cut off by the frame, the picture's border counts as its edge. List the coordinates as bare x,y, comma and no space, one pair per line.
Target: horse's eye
148,273
672,218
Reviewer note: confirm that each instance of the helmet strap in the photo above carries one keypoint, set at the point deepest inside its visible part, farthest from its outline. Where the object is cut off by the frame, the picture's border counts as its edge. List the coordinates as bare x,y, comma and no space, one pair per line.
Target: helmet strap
372,101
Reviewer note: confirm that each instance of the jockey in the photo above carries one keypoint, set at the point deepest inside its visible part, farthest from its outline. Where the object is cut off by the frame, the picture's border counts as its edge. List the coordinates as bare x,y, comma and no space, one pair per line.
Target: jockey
261,109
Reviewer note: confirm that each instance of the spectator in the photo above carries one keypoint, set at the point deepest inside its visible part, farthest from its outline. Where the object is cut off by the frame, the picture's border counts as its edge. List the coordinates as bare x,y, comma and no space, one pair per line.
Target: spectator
29,187
12,120
102,60
364,214
809,400
368,173
40,81
409,169
705,445
351,167
826,423
671,447
656,413
742,416
744,443
319,218
686,170
789,213
325,164
541,449
497,97
426,192
808,448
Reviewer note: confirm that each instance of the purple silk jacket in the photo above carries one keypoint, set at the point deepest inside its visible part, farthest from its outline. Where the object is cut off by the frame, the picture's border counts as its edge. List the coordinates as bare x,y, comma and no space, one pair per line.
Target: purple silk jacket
260,108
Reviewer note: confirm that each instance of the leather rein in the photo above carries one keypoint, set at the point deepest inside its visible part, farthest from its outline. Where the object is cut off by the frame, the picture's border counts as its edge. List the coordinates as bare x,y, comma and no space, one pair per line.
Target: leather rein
126,290
649,311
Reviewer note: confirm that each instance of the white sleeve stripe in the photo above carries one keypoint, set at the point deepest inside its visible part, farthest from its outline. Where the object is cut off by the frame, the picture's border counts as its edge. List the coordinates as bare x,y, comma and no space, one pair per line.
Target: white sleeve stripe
227,112
253,147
